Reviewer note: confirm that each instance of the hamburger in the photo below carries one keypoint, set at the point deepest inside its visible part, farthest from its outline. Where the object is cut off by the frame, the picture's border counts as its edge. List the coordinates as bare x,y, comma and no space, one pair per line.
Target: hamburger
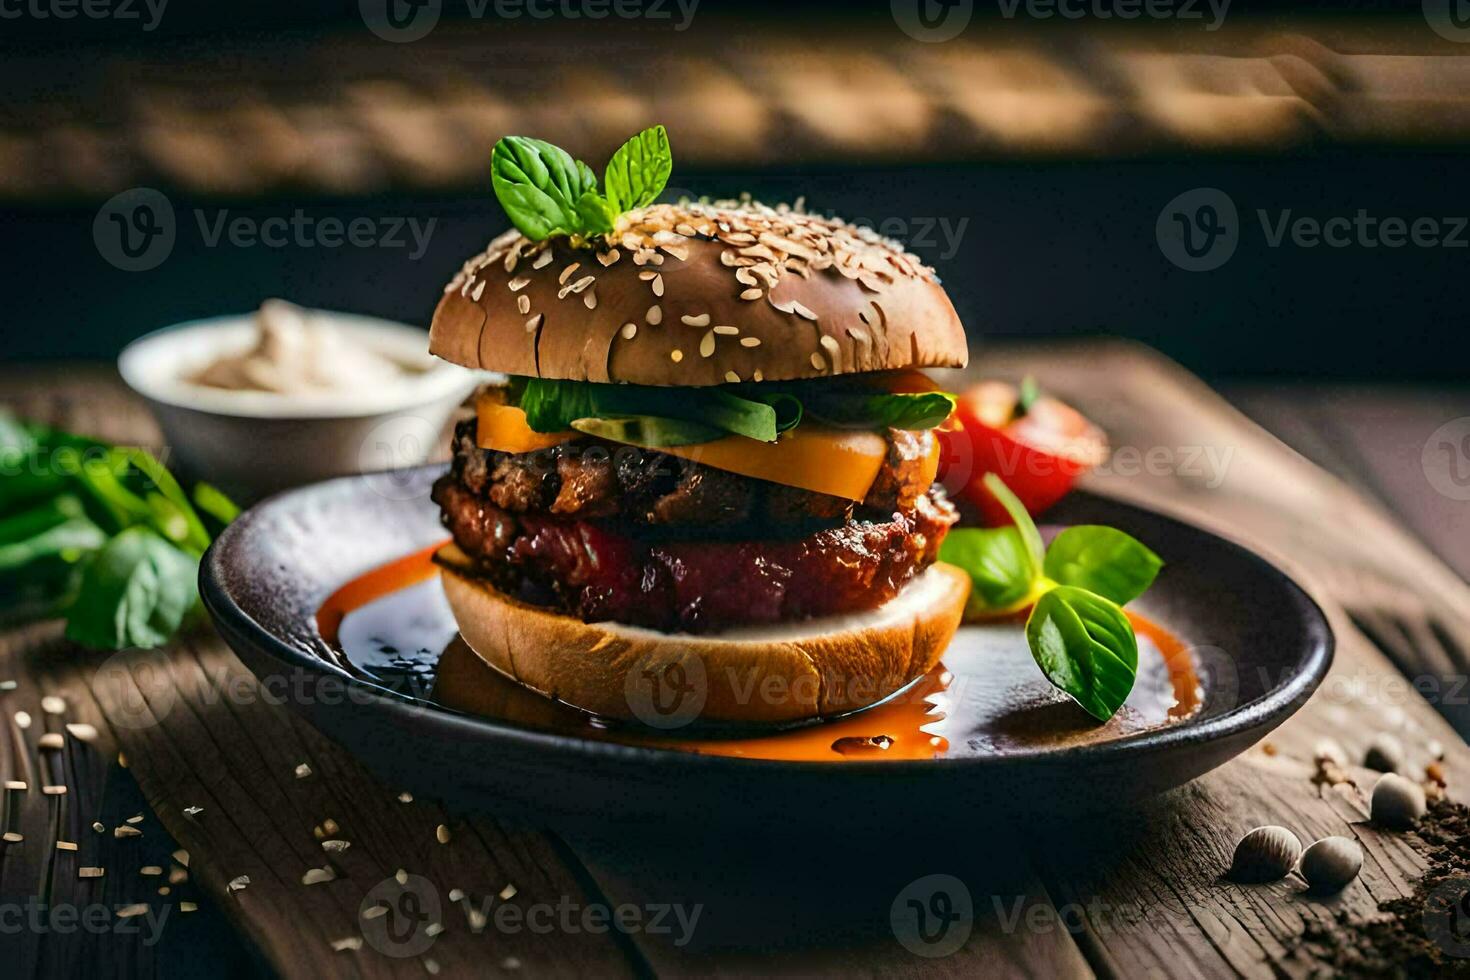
713,454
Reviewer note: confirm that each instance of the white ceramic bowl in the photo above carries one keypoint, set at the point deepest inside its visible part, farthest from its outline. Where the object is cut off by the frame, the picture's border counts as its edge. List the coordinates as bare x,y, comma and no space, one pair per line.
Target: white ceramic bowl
251,443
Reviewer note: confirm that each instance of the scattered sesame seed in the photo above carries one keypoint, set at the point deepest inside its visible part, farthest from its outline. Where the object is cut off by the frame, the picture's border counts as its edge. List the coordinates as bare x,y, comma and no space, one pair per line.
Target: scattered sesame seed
655,315
303,771
698,320
727,331
456,894
65,845
629,331
802,311
98,826
315,876
54,790
349,943
405,797
433,928
732,377
431,966
181,856
91,872
523,303
475,917
507,893
335,845
750,341
126,831
22,719
376,912
177,876
194,907
510,963
150,871
81,731
567,273
441,834
589,299
11,837
53,705
609,257
831,344
17,784
135,818
759,375
658,285
401,876
8,685
542,260
753,292
676,355
533,324
239,884
193,811
129,911
478,291
164,889
707,344
817,362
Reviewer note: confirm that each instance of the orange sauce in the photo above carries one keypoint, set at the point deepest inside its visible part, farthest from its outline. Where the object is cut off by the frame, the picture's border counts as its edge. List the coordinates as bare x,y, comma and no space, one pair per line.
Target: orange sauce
381,581
986,705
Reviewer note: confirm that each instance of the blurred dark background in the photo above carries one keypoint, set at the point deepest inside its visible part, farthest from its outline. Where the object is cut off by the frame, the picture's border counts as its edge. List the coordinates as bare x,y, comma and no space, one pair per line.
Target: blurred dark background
1028,158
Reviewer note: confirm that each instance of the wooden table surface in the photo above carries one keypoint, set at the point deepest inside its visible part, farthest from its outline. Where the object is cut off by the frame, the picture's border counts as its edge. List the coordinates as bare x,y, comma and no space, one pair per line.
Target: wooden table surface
1136,894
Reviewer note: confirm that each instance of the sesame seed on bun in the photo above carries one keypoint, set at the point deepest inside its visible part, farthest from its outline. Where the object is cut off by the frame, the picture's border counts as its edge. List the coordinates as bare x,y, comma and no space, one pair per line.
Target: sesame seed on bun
699,294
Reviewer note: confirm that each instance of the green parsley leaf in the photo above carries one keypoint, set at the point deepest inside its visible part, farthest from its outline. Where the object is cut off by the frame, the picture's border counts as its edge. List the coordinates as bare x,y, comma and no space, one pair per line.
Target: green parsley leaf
1103,560
1085,646
638,171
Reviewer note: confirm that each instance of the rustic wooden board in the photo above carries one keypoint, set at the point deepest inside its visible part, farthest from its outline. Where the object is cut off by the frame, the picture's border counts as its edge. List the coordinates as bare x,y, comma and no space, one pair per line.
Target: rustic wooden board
1133,895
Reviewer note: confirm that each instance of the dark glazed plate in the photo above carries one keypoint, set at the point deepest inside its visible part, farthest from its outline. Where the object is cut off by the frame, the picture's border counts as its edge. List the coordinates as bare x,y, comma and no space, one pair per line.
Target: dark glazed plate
1262,644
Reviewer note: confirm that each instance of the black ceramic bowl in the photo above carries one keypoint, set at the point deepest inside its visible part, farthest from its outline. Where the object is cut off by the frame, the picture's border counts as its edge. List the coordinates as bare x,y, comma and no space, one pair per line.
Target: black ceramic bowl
1267,643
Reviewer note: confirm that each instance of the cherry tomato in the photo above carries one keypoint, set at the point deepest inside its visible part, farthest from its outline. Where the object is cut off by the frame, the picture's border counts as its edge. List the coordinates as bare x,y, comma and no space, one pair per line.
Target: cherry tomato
1039,453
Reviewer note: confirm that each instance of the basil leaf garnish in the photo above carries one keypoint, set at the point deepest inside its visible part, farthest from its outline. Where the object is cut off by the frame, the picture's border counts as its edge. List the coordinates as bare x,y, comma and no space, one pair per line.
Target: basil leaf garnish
648,430
1085,646
1103,560
997,562
914,411
552,406
638,170
540,186
135,592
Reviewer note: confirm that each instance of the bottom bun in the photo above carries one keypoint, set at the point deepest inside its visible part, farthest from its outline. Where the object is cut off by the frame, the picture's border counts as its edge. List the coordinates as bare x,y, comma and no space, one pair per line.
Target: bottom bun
780,672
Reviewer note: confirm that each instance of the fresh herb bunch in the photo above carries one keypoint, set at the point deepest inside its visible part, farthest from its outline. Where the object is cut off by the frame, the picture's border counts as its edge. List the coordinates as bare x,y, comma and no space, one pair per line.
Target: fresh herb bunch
1077,587
102,535
653,416
547,193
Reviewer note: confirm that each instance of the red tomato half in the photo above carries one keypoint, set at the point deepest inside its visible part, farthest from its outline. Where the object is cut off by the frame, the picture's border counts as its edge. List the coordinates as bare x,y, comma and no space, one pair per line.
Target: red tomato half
1039,455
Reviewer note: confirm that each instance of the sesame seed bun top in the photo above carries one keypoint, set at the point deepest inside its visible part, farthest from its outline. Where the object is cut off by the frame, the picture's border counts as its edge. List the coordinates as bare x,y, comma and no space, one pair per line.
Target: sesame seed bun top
699,294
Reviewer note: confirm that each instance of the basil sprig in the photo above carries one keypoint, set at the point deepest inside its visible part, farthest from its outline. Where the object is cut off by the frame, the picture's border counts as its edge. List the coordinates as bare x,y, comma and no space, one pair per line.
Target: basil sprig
102,535
882,410
1077,630
546,192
